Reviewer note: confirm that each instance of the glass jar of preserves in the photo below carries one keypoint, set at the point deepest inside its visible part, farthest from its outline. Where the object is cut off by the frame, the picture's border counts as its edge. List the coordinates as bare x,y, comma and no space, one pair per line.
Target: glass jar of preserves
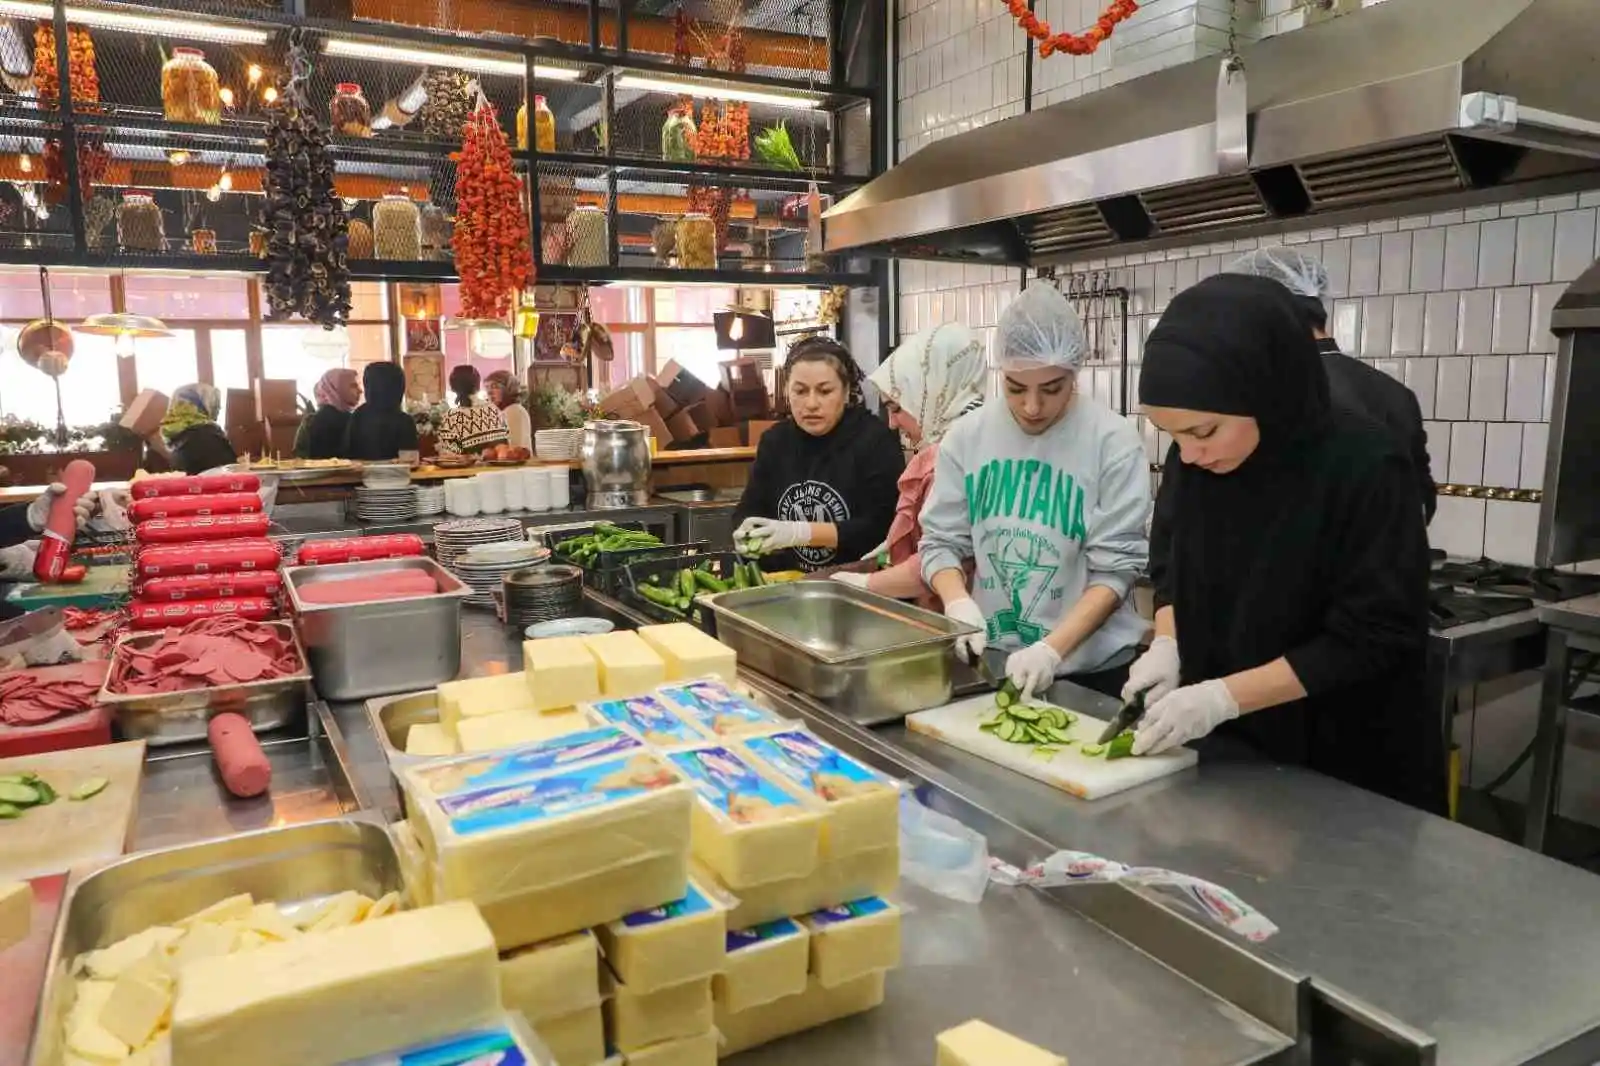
697,242
544,125
436,232
190,91
258,243
203,241
349,112
140,227
396,228
678,135
522,128
358,240
589,234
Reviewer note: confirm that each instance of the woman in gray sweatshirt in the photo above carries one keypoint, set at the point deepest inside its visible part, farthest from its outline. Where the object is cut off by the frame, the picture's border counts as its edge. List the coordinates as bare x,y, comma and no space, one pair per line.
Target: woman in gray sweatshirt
1048,493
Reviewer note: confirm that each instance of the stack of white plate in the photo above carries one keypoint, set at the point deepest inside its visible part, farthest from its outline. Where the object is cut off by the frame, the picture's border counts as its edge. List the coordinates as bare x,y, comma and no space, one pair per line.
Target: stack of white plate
451,540
395,504
557,444
430,500
484,568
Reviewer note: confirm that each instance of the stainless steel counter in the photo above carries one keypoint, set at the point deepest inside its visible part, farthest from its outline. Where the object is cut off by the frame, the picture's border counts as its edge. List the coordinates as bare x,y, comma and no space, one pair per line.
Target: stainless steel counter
1573,629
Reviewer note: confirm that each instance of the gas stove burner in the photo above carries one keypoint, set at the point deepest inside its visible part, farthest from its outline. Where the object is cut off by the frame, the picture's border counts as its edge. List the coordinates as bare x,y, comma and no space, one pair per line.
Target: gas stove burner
1449,607
1540,584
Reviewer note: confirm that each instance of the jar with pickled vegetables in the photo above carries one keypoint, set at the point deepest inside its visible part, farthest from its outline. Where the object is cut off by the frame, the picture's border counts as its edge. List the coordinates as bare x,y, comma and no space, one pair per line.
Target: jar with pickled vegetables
190,91
544,126
522,128
590,237
140,227
678,135
349,112
396,228
697,242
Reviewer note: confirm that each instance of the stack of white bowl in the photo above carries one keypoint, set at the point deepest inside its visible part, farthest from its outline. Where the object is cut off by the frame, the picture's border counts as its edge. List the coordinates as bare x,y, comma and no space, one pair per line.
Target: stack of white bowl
461,497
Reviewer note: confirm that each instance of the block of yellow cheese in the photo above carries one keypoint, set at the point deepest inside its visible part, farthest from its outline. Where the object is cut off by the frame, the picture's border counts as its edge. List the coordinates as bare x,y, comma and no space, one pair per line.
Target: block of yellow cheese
509,729
748,828
690,653
742,1030
977,1043
540,914
866,873
862,806
637,1020
560,671
578,1039
430,739
853,939
715,709
553,979
628,666
477,696
667,945
415,868
326,999
699,1050
765,962
16,912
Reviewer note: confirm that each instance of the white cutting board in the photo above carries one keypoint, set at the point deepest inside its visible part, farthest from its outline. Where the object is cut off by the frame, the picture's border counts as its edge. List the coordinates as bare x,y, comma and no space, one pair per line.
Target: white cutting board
56,837
1088,777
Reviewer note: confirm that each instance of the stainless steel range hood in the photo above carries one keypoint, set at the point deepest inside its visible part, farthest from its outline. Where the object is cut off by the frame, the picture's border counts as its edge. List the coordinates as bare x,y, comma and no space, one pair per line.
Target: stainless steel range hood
1405,103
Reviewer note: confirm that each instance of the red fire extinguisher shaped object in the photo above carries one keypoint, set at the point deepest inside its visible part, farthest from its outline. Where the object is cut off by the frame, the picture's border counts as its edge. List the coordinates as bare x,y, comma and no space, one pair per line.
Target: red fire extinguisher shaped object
55,540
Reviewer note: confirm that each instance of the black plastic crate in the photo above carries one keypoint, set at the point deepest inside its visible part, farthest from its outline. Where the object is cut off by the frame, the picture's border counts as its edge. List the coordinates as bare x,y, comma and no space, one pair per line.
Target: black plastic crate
720,565
608,571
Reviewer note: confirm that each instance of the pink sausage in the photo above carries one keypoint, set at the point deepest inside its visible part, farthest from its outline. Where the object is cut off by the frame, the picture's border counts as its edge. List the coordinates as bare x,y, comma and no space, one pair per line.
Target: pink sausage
215,527
149,615
55,546
211,557
198,485
209,586
186,506
243,765
359,549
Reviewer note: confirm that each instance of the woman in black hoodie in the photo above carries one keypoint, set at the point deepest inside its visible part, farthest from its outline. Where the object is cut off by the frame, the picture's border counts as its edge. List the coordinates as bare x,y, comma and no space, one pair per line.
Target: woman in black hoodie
1289,557
823,487
379,430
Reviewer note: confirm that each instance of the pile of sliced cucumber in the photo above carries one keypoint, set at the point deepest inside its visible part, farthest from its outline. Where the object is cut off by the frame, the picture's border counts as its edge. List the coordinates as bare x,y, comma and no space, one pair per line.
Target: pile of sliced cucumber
19,792
1044,727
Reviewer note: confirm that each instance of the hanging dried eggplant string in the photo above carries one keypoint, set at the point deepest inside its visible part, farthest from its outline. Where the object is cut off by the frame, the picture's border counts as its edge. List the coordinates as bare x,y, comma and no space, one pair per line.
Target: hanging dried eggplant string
307,271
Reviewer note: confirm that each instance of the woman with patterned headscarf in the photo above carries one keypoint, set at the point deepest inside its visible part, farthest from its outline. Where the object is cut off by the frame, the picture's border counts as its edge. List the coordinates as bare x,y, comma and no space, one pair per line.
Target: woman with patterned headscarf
190,438
505,392
322,435
927,383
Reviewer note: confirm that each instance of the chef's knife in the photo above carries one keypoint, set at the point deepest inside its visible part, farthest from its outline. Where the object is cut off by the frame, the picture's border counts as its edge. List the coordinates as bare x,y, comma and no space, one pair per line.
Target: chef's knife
1127,717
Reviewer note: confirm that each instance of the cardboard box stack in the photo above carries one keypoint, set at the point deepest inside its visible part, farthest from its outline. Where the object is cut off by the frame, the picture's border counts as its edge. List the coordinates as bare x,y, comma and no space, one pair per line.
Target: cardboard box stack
278,411
676,407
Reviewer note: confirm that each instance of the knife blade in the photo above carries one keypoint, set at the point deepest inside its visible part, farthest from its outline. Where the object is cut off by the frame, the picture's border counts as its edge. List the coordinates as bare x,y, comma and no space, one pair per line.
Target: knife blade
1126,718
985,674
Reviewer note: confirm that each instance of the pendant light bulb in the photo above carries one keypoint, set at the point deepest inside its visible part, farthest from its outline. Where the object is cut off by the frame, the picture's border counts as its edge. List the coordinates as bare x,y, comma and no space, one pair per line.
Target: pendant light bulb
736,328
225,94
270,94
124,346
254,74
225,183
214,193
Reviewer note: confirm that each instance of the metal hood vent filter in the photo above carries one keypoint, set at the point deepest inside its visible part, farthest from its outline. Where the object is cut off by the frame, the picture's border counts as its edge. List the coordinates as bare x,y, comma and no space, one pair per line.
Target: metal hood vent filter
1397,108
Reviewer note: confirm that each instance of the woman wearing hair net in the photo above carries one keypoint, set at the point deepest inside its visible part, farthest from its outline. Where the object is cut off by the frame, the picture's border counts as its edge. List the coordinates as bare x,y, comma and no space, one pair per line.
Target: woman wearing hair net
1048,494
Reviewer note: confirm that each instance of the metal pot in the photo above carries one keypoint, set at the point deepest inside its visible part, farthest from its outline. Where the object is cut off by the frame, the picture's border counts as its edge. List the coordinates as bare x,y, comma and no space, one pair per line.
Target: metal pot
616,463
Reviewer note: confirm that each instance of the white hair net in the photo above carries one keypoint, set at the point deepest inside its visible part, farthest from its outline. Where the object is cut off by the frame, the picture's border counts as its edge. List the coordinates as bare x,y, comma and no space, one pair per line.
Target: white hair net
1040,329
1301,274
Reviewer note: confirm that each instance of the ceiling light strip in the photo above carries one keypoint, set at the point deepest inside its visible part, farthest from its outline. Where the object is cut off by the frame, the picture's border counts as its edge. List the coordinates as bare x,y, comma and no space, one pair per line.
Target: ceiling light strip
159,25
338,46
717,91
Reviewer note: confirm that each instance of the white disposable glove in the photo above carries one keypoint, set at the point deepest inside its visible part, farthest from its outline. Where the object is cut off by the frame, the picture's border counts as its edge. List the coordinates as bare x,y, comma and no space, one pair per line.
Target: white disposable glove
763,536
1032,669
1182,715
966,611
875,552
16,562
1155,673
39,509
846,577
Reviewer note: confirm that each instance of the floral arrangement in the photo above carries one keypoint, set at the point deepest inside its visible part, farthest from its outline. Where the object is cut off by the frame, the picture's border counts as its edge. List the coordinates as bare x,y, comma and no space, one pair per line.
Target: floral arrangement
555,407
428,416
25,436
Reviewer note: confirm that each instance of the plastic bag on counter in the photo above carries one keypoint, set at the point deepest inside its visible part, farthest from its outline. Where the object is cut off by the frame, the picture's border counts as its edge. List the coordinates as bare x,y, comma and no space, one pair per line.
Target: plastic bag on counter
940,854
1082,868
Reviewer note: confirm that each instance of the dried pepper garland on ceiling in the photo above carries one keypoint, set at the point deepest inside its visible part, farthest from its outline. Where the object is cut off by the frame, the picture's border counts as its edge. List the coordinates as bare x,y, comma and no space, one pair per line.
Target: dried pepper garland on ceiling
1077,44
494,258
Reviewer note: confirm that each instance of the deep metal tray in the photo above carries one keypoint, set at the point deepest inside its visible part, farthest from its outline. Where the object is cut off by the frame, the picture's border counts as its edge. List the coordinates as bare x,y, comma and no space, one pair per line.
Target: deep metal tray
294,866
874,658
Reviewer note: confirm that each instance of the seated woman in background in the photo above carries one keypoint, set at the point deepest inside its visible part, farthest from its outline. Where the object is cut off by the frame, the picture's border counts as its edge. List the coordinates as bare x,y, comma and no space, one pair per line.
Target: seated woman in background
506,393
379,430
189,438
472,425
322,435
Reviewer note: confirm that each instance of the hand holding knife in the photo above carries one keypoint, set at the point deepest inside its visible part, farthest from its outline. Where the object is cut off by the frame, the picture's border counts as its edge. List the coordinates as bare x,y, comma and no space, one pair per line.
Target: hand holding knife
1126,718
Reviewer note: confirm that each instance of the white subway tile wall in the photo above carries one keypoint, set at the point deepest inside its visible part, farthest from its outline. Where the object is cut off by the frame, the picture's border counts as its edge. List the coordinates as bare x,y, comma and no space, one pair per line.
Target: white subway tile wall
1455,305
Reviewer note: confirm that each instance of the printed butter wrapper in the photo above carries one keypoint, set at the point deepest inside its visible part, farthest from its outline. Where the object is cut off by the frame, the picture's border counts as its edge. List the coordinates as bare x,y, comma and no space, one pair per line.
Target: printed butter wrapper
480,1048
847,912
517,764
763,934
651,719
540,799
693,904
819,768
734,789
716,709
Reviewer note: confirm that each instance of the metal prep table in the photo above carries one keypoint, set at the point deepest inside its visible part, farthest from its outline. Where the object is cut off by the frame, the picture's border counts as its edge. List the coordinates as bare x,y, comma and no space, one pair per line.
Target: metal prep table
1572,626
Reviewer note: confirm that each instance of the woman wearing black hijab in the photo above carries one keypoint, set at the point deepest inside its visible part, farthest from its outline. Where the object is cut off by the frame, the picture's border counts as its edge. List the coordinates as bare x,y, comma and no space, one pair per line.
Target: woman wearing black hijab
1289,557
379,429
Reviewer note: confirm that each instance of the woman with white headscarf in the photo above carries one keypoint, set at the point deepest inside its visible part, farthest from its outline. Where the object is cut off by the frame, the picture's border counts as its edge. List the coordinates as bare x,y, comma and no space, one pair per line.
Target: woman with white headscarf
926,384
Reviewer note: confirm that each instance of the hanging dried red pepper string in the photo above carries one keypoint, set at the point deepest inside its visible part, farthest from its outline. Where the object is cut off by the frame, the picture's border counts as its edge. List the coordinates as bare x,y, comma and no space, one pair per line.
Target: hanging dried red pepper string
493,256
1077,44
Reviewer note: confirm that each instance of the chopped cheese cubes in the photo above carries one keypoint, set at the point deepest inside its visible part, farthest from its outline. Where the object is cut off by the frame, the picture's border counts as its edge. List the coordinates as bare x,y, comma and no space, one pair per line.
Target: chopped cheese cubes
765,962
479,696
637,1020
700,1050
628,666
108,963
16,912
85,1036
977,1043
429,739
667,945
747,827
690,653
138,1005
863,806
853,939
323,1000
511,728
742,1030
716,710
551,980
560,672
578,1038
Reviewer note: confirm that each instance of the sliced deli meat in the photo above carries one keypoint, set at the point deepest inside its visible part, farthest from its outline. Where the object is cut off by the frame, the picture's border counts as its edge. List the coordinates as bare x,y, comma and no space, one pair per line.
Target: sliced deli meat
209,652
32,697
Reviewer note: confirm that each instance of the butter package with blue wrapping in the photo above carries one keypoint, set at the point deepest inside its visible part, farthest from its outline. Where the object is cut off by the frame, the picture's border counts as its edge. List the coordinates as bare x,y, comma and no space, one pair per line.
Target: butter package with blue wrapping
504,1045
716,710
667,945
853,939
766,962
862,806
748,829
